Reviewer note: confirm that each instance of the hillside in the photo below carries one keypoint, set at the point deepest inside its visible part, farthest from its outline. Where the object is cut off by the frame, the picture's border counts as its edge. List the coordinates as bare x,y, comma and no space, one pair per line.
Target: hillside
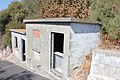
105,11
65,9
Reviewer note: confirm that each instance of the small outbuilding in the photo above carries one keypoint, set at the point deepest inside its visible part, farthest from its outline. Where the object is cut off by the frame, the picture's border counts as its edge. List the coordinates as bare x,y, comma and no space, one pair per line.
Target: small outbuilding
59,45
19,43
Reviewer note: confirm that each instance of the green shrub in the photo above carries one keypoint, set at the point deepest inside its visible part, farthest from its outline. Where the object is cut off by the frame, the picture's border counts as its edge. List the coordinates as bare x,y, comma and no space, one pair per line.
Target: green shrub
108,12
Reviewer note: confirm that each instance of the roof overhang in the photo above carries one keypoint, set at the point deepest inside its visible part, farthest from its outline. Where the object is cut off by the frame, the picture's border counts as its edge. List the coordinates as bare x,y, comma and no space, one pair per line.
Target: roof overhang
61,20
20,31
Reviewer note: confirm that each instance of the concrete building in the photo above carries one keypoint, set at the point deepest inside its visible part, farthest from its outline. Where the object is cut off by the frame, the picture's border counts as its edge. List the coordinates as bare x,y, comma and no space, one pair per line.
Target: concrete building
57,45
19,43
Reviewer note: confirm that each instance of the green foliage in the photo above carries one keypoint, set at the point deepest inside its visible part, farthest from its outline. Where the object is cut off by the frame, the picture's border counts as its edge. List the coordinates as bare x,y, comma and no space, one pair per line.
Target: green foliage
33,8
7,38
17,11
108,12
4,19
12,17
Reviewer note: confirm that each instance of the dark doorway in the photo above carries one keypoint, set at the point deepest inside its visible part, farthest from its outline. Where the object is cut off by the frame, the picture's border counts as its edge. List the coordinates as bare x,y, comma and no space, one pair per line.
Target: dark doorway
23,50
16,42
57,51
58,42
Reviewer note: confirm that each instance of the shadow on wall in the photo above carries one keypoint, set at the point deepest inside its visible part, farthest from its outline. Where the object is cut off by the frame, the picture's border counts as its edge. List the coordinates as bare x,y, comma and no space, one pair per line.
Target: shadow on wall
85,28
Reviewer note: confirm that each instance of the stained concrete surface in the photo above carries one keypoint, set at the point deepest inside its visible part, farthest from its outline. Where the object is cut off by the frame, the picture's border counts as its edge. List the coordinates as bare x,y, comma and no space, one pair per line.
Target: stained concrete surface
10,71
105,65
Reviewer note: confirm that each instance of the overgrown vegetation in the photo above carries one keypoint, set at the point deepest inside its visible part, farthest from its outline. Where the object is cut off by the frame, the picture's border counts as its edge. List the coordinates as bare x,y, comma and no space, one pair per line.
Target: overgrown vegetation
65,9
106,11
13,16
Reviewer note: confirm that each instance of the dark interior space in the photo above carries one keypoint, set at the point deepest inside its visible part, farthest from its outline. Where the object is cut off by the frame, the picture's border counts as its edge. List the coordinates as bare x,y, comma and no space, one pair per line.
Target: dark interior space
23,50
58,42
16,42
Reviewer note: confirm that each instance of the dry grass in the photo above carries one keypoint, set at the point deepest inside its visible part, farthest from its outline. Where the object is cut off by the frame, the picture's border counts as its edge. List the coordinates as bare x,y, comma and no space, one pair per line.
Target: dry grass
66,9
110,44
83,72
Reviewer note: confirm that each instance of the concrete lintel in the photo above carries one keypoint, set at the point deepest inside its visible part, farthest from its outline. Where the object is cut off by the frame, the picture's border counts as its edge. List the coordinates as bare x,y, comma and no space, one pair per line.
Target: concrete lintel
21,31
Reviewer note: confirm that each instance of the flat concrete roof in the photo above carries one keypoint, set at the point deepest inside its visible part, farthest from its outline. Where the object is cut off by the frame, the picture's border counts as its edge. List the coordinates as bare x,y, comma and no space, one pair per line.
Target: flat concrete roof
21,31
61,20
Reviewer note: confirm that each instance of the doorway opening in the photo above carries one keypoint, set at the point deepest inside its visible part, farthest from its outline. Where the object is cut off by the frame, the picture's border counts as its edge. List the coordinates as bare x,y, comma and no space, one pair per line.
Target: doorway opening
16,42
23,50
57,51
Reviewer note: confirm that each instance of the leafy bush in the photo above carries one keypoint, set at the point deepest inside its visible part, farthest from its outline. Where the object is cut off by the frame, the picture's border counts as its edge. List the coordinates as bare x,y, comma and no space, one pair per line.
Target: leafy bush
108,12
13,16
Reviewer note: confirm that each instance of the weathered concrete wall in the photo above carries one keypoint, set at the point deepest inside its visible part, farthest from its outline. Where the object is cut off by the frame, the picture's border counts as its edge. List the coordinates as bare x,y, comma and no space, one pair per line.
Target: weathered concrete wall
44,52
17,51
84,38
105,65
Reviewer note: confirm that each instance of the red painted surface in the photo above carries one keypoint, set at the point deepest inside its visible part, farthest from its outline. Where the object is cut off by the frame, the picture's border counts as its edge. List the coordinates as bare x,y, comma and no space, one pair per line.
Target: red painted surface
36,33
